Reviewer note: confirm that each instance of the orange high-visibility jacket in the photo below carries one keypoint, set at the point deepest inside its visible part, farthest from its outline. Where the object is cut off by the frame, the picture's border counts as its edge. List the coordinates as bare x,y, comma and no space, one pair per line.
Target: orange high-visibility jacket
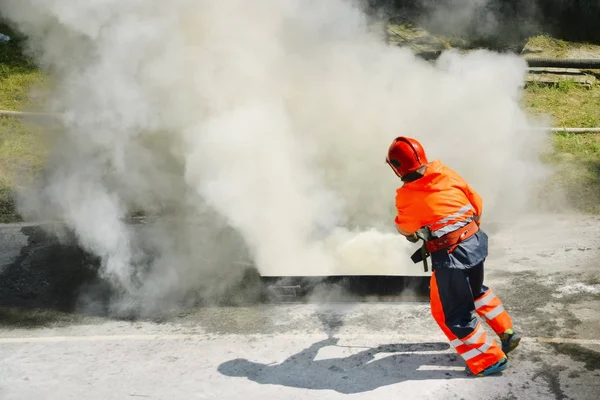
441,201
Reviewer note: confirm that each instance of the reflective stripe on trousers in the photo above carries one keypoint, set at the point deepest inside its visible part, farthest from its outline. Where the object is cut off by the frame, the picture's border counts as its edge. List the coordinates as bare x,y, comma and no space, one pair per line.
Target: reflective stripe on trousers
477,349
476,344
490,307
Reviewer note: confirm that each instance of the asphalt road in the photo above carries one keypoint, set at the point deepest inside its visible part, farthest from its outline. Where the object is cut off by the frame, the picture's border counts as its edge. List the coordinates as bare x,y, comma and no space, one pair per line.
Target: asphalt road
547,272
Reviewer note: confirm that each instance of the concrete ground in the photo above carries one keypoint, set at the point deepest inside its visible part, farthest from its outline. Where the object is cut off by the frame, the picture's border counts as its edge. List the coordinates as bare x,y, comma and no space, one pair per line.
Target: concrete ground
547,272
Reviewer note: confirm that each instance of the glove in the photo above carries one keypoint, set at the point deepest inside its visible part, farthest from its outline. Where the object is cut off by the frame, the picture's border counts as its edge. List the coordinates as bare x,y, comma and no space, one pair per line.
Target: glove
412,238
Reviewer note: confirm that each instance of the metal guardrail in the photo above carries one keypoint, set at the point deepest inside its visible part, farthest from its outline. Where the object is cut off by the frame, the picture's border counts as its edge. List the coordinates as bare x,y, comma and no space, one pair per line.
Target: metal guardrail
591,63
24,114
574,130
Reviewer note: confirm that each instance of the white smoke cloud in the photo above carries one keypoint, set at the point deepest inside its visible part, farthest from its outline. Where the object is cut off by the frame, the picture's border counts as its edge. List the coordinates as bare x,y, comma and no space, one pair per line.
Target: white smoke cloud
271,117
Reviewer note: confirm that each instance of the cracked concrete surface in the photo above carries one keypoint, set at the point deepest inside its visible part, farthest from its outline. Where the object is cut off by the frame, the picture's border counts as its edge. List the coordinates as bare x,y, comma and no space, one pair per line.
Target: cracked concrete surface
545,270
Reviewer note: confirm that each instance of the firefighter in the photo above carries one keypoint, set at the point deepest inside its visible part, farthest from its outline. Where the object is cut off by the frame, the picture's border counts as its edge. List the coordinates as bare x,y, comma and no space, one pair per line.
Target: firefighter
436,205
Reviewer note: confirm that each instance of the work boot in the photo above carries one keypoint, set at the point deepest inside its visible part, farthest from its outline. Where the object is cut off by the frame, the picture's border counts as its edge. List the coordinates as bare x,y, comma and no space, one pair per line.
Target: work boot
492,369
510,340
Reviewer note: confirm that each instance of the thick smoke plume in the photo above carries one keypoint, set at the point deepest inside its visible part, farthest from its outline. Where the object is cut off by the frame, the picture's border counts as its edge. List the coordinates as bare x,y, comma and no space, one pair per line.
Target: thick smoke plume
258,130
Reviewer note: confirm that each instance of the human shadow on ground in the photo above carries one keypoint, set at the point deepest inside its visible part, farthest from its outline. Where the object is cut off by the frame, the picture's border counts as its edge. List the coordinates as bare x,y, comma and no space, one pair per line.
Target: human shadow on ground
361,372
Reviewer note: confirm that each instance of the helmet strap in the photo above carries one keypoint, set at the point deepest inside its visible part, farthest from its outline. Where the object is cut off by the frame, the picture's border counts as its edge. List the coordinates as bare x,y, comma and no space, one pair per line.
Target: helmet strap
414,175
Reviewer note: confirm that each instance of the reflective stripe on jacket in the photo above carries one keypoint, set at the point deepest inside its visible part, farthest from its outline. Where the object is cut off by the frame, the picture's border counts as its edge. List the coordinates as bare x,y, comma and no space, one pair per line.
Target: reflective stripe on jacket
436,204
441,200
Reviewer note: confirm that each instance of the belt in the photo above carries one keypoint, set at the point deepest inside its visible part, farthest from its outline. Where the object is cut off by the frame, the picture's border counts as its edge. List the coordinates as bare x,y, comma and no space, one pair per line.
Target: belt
452,239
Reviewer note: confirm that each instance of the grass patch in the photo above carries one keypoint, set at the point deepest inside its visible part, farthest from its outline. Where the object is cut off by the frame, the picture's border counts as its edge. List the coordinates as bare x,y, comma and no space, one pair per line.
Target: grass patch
569,104
549,46
576,156
546,46
408,34
21,151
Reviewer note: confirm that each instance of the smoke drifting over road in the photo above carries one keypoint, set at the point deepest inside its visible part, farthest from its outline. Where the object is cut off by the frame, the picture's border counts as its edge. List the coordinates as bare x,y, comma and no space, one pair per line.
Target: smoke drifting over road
268,118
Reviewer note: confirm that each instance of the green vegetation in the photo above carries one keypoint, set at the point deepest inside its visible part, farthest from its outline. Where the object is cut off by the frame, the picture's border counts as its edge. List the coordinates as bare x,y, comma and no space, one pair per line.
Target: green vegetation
569,104
550,46
21,152
577,159
576,156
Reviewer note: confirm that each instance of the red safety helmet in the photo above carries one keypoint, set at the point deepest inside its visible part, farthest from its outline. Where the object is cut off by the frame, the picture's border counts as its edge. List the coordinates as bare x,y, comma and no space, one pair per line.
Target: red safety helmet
405,156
